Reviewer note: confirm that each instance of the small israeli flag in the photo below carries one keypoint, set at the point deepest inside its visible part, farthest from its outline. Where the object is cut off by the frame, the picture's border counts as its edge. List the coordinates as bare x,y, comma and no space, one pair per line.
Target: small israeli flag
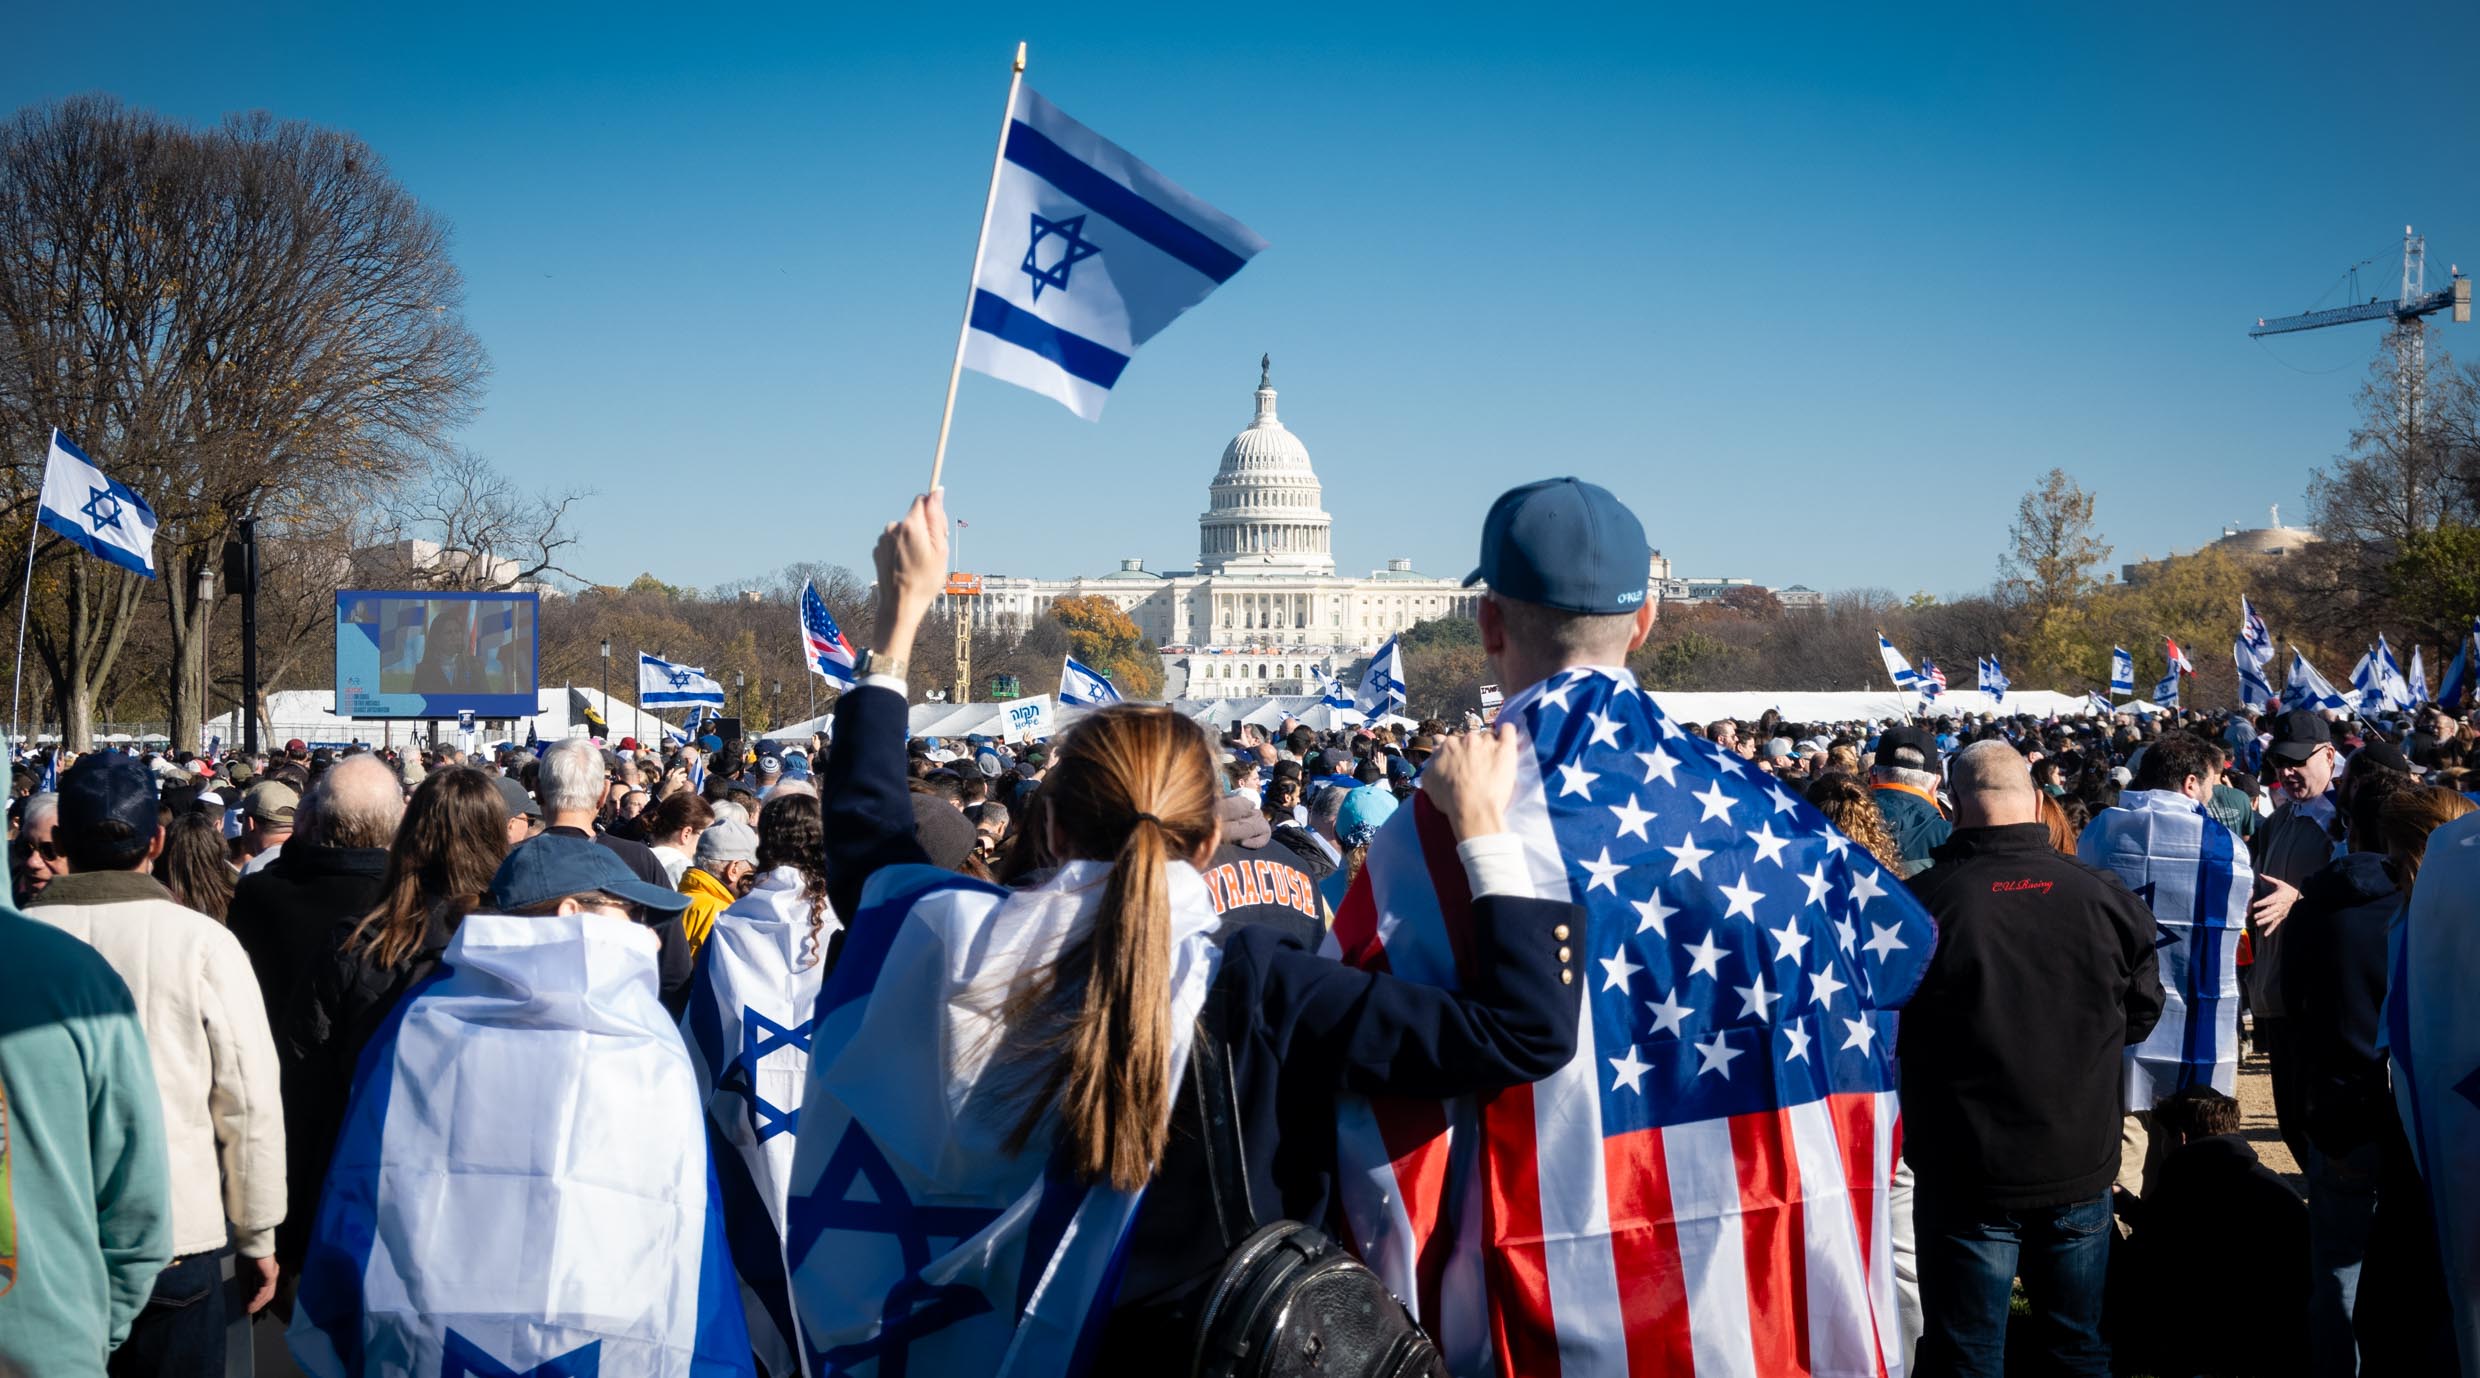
2193,874
1081,687
1087,253
2418,674
2305,688
2122,671
1382,684
1331,692
1896,666
2099,704
2254,692
2166,689
96,510
1994,682
661,684
2253,632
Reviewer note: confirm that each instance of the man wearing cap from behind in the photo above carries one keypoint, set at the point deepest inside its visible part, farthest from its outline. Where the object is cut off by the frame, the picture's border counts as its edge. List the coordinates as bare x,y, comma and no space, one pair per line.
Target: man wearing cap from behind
525,1136
214,1059
1904,782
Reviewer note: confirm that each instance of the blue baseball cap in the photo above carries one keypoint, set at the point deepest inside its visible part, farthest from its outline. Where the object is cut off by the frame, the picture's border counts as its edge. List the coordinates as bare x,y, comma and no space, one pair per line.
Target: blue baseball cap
1364,811
1567,544
554,865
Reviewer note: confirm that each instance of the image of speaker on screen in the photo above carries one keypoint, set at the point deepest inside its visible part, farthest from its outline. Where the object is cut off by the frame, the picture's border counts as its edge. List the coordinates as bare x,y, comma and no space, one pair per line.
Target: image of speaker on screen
413,654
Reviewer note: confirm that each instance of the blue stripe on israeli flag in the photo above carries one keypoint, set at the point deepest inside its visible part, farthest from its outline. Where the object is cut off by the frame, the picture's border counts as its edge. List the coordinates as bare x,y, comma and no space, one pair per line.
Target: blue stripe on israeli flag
99,512
1089,254
2189,872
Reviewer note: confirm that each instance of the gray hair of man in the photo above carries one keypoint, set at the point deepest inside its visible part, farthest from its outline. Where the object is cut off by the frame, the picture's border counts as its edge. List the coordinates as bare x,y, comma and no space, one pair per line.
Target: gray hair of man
1905,766
356,802
572,777
41,809
1325,803
1992,785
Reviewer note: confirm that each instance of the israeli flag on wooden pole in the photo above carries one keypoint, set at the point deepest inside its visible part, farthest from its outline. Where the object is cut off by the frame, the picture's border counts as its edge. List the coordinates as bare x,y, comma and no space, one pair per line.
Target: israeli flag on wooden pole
1084,254
2191,872
100,513
522,1185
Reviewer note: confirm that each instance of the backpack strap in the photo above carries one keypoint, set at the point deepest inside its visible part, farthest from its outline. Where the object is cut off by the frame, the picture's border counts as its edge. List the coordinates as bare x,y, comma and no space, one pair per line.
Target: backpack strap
1217,1102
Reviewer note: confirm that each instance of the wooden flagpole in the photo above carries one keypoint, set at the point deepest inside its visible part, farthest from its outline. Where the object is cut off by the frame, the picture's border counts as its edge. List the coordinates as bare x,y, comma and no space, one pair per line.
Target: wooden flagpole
964,331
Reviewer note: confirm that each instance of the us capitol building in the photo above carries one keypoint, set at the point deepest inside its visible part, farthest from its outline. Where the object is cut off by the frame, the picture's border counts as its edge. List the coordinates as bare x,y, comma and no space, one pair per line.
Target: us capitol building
1262,611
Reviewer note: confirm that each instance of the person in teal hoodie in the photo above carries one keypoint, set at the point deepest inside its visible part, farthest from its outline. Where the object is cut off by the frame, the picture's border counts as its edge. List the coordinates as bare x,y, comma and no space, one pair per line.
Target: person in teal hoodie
85,1197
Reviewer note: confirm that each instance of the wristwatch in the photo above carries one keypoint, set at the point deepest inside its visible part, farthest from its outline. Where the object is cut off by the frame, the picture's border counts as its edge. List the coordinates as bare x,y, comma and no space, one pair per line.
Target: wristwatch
872,663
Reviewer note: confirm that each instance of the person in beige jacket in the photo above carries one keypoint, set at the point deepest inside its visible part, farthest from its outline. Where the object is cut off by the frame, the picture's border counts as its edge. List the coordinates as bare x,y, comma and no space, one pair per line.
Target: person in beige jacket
215,1062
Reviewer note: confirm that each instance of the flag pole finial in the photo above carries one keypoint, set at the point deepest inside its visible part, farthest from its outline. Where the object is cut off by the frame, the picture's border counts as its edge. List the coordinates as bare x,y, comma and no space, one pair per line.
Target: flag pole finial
1020,55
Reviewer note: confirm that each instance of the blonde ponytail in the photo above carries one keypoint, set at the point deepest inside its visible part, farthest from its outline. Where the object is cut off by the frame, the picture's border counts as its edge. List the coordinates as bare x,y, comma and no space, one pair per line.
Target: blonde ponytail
1134,786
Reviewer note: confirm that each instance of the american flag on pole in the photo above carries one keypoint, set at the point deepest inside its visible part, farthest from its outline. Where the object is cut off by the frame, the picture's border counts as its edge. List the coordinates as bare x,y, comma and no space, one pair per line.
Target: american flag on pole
1932,679
1703,1190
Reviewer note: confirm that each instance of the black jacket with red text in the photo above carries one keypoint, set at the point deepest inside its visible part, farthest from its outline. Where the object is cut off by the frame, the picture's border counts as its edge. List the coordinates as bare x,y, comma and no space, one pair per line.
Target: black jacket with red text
2013,1051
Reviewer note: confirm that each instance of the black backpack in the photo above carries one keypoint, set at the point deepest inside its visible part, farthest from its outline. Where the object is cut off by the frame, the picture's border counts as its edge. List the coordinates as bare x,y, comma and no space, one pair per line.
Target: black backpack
1288,1302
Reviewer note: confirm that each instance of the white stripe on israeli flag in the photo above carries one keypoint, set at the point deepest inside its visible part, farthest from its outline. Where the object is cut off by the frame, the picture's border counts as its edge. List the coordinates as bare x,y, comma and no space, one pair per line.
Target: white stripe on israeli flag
1896,666
97,511
2122,671
661,684
1090,253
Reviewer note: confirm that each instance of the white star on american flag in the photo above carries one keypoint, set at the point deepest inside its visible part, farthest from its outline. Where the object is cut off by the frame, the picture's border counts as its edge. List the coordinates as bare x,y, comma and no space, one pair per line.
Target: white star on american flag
1789,940
1715,1056
1606,873
1687,856
1864,887
1717,804
1575,779
1707,958
1659,765
1616,969
1769,846
1823,984
1605,731
1627,1071
1860,1031
1818,886
1744,898
1651,913
1797,1037
1632,820
1882,940
1666,1015
1755,999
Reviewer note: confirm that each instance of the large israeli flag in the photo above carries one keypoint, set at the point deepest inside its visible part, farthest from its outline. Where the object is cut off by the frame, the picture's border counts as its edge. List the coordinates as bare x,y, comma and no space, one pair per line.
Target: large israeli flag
1081,687
2122,671
1087,254
522,1185
2193,874
752,1004
95,510
1382,684
661,684
918,1242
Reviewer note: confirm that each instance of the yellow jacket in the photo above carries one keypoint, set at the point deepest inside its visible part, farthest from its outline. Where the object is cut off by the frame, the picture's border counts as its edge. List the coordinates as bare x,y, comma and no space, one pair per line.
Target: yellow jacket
707,898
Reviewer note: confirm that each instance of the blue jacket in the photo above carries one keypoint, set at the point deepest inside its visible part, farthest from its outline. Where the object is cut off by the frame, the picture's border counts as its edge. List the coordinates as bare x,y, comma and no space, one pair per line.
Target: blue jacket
1919,828
1300,1027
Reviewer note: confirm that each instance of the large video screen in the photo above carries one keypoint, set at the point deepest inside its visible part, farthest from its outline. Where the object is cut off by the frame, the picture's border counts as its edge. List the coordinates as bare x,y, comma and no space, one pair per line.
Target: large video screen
433,655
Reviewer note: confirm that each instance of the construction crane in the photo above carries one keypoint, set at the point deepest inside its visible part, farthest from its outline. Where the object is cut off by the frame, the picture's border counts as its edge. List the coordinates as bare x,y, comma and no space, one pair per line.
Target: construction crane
2409,337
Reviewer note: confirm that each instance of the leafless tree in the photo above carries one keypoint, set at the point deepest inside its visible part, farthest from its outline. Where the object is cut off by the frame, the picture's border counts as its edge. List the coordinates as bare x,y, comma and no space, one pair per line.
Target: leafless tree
239,321
465,526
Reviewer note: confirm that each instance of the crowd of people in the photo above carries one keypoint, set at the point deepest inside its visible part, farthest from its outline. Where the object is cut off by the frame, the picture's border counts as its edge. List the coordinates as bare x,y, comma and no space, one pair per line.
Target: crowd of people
1095,950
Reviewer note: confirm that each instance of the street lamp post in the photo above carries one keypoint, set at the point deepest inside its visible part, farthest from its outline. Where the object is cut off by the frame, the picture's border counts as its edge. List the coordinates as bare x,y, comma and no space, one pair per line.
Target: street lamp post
775,704
740,688
607,679
206,647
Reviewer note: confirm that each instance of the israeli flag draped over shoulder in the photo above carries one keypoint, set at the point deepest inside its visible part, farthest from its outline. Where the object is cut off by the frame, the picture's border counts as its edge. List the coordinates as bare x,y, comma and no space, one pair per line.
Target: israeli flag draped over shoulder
918,1243
2193,873
1087,253
99,512
1382,684
752,1005
521,1185
661,684
1082,687
2122,671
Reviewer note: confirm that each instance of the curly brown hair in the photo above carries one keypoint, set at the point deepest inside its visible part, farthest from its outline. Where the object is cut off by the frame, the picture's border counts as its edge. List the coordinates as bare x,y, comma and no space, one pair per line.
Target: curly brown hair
1848,805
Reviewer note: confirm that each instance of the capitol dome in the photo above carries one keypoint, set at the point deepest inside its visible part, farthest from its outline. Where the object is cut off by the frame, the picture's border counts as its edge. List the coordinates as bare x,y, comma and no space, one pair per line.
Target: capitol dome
1262,511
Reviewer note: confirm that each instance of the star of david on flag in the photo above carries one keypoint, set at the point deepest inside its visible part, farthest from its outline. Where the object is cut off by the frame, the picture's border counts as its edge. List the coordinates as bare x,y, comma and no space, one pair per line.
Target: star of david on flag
830,656
661,684
2122,671
98,512
1083,687
1704,1188
1087,253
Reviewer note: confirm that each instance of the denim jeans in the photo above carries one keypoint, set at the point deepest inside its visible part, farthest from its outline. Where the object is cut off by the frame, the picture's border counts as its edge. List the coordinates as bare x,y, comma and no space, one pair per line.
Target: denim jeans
2342,1210
1971,1252
179,1333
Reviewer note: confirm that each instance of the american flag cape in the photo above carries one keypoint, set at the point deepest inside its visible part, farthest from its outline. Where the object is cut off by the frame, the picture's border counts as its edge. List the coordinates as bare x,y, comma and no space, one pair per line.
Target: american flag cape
918,1244
2432,1035
752,1003
2193,874
1703,1190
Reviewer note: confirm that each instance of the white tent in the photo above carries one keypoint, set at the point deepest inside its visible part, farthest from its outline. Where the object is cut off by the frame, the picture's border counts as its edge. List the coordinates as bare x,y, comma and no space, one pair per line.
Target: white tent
1864,706
308,714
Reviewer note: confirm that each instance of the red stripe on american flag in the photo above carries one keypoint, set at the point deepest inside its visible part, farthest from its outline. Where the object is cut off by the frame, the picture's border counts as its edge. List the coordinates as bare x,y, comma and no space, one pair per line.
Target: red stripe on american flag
1774,1228
1855,1133
1356,927
1519,1267
1644,1250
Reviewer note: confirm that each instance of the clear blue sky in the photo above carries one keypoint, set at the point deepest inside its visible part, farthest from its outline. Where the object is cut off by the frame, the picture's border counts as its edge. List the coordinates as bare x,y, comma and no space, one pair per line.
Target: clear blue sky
1820,290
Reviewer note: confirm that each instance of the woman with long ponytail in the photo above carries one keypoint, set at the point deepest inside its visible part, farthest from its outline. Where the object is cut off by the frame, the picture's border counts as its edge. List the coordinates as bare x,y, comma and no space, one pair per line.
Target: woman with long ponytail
1023,1058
